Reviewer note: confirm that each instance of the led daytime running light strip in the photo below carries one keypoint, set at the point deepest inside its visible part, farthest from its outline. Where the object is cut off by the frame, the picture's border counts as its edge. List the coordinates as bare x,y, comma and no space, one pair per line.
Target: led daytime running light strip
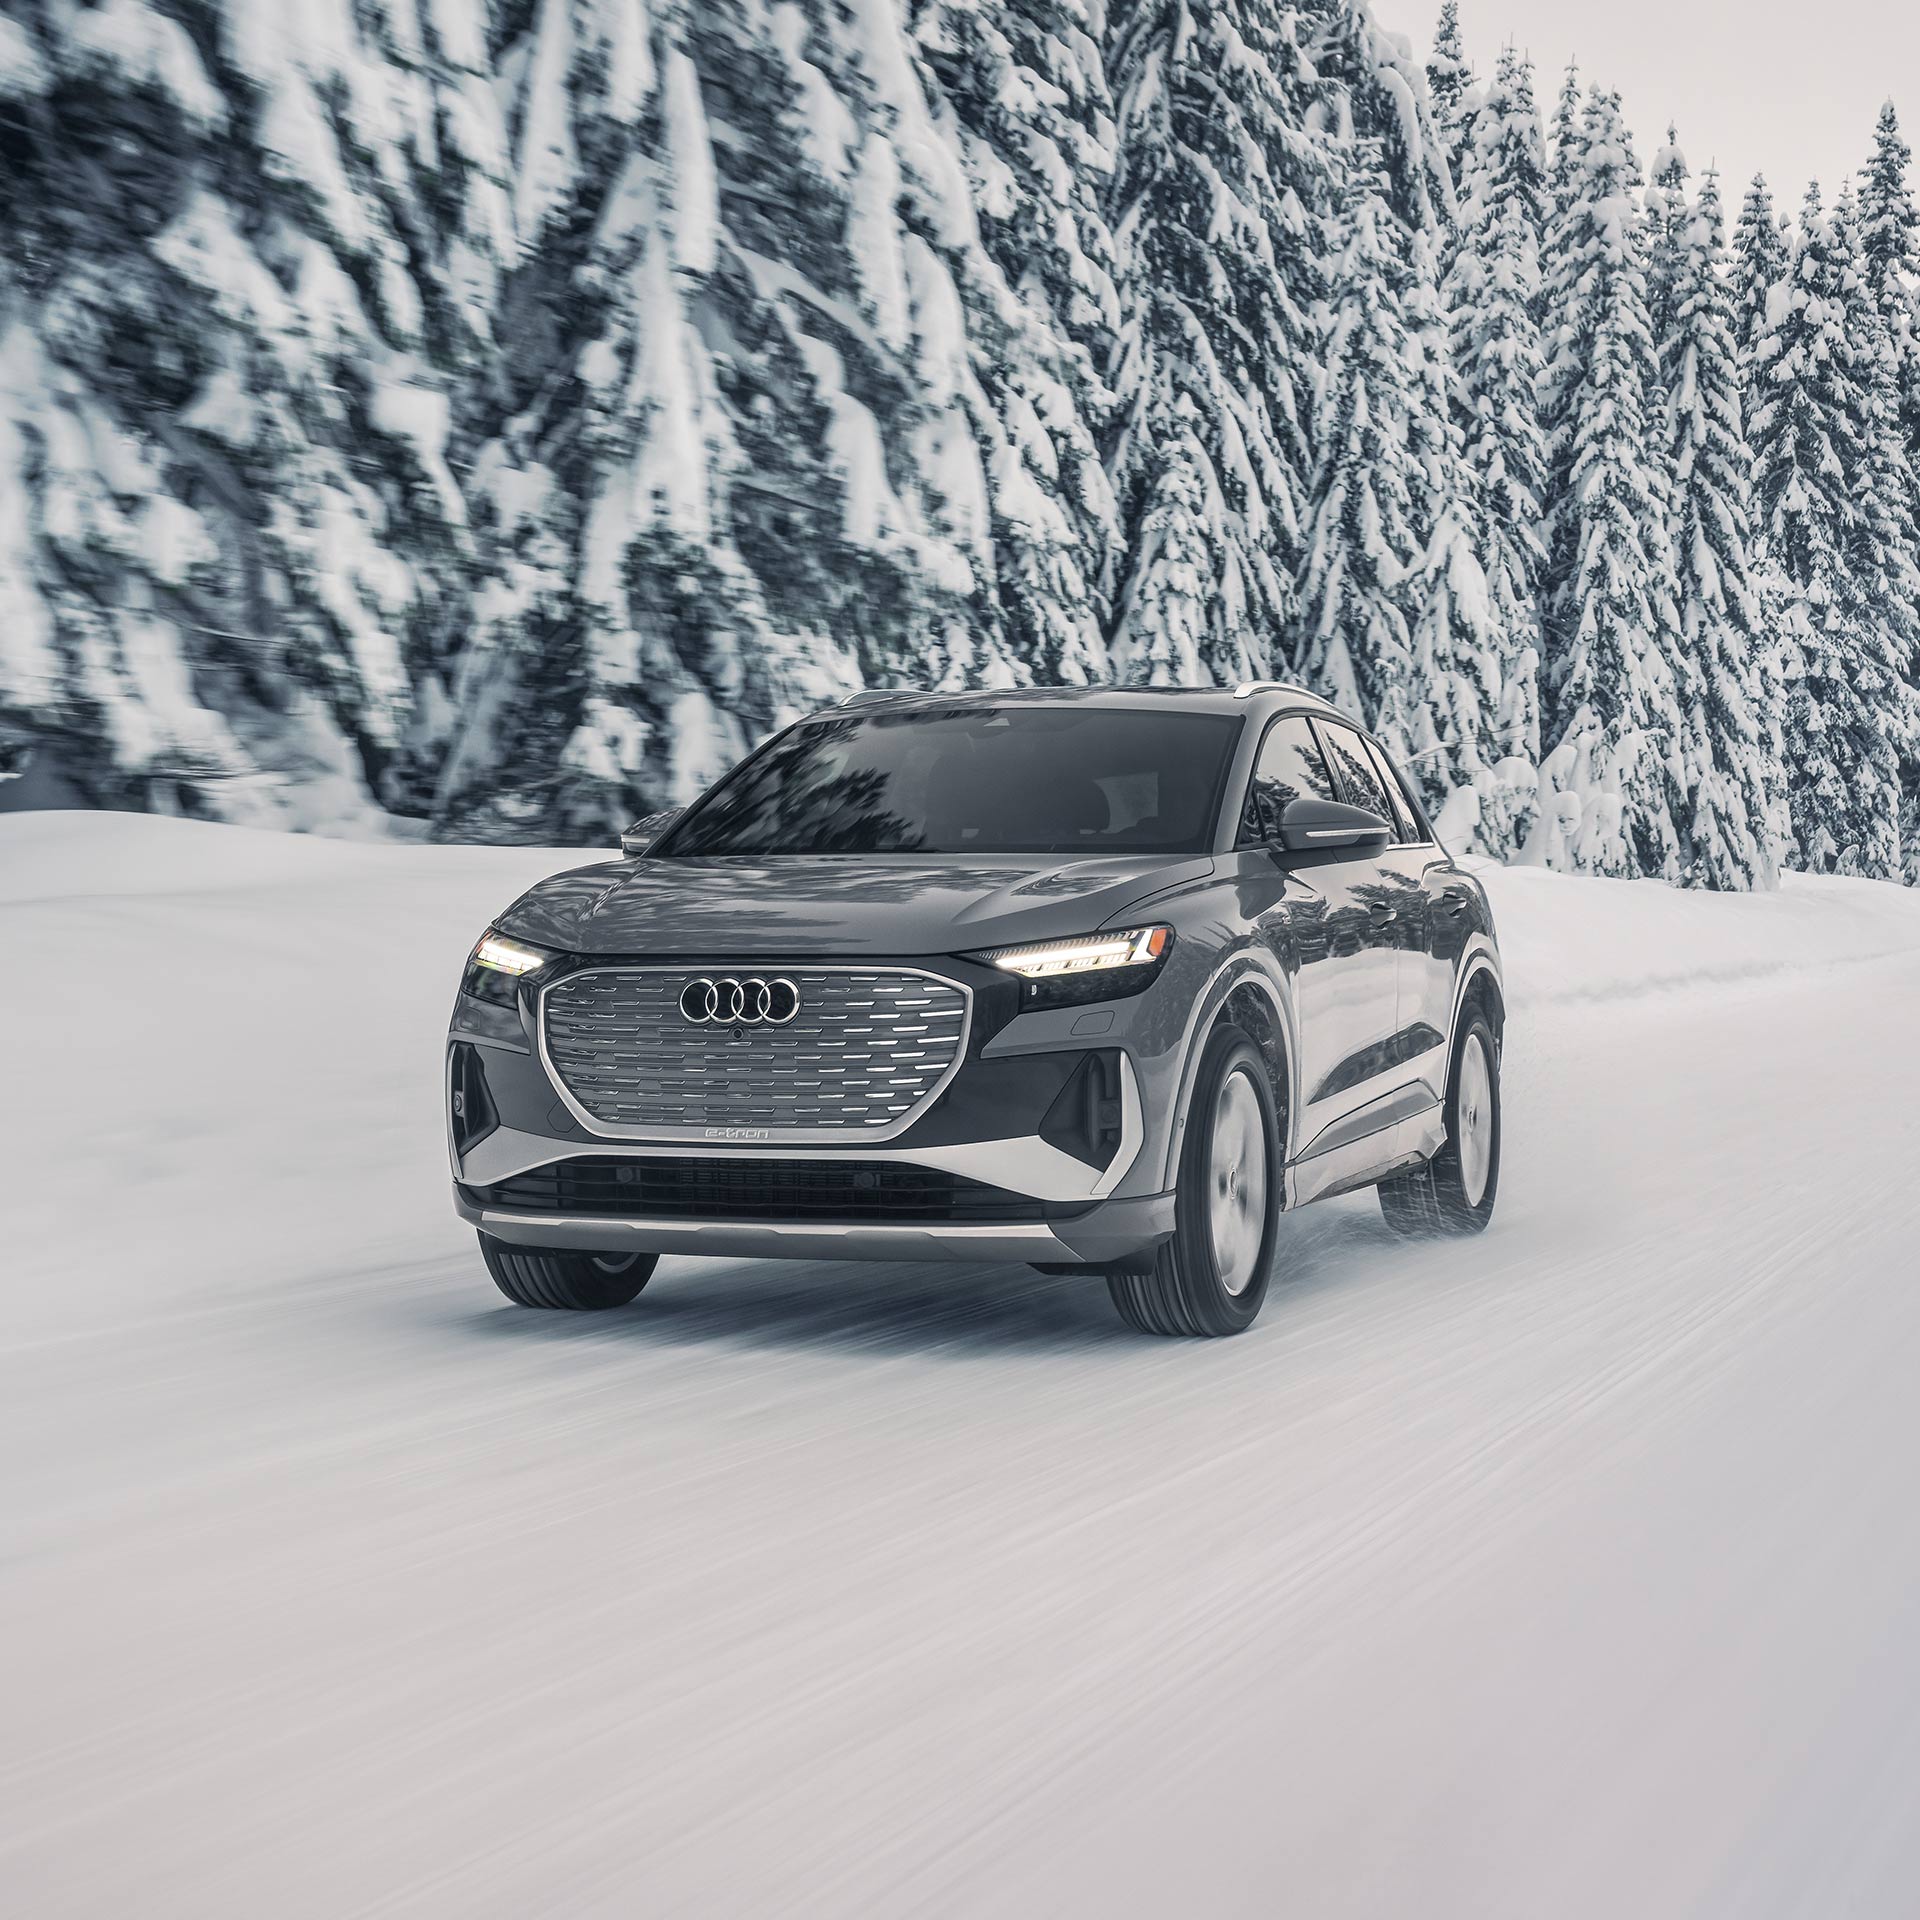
1092,953
504,957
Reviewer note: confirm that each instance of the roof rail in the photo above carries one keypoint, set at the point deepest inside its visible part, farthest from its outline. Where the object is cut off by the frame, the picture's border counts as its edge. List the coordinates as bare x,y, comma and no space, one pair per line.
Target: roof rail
1248,688
873,693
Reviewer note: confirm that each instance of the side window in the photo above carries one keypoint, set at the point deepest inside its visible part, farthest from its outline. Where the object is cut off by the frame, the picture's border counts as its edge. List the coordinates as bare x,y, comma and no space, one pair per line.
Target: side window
1357,773
1406,822
1290,767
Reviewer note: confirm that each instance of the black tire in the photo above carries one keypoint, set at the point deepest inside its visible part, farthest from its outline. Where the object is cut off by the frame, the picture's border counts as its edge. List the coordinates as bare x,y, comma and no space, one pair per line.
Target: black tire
569,1282
1438,1197
1181,1288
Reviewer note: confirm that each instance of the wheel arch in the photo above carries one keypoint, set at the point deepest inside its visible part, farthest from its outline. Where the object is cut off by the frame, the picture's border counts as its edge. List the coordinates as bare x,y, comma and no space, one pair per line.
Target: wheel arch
1481,989
1242,995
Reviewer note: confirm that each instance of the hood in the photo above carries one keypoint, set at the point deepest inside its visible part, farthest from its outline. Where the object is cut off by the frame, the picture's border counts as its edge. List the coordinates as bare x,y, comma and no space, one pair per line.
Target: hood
832,905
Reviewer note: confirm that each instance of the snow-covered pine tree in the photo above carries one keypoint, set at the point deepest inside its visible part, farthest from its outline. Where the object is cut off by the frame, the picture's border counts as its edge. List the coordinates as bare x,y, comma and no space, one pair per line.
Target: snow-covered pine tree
252,258
1811,430
1374,91
1885,555
1890,253
1396,612
1730,731
1450,85
1668,217
1611,708
1563,171
1025,85
1358,591
744,371
1760,264
1492,297
1216,201
1466,635
1890,260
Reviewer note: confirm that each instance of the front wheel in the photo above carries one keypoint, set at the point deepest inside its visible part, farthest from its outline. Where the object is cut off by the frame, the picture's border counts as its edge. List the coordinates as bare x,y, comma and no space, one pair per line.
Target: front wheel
570,1282
1454,1191
1210,1278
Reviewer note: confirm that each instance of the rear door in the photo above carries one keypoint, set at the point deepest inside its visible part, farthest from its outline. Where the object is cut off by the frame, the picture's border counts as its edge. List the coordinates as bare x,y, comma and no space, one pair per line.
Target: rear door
1318,920
1404,894
1442,891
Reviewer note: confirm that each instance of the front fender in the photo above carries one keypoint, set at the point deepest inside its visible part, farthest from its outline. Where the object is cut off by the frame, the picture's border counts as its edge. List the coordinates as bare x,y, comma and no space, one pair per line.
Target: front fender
1249,967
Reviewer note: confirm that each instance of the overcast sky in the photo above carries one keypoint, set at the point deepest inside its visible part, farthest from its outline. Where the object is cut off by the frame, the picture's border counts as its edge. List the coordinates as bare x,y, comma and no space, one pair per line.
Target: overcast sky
1787,87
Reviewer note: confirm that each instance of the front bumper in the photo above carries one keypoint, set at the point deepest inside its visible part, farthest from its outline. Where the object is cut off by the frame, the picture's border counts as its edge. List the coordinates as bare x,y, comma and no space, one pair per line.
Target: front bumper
1098,1236
1046,1110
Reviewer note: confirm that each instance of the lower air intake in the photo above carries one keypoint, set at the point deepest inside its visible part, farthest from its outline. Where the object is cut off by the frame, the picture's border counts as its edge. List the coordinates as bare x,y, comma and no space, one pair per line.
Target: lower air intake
853,1192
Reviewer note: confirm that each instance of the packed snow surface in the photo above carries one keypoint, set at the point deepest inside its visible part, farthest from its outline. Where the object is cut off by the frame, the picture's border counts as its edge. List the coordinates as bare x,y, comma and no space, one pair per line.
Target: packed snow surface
1570,1571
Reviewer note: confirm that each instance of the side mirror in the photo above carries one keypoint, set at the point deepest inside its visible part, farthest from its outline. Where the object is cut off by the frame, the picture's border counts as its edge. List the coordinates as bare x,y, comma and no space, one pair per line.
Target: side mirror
643,833
1325,826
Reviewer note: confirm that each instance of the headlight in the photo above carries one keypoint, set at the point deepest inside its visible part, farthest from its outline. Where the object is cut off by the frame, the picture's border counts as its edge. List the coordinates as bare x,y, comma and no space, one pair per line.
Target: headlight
1089,953
507,956
497,966
1093,966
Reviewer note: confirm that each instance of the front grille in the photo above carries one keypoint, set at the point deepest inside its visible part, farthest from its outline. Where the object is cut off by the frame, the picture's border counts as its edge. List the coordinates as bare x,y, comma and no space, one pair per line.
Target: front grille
850,1192
864,1051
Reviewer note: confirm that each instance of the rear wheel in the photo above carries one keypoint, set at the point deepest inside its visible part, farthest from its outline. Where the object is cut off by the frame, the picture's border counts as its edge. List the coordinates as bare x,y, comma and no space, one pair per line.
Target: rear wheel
1454,1192
571,1282
1210,1278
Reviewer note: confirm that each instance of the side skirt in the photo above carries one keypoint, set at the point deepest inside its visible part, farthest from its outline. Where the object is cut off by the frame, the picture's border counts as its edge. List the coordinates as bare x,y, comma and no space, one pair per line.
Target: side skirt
1397,1131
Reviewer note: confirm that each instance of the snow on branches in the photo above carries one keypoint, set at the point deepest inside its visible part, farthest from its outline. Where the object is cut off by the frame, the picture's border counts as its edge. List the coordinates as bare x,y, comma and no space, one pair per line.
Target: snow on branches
489,420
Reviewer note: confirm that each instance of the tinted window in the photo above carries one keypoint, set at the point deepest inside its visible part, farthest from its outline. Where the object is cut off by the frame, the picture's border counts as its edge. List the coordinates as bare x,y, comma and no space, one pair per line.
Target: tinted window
1290,768
1365,788
1066,779
1406,822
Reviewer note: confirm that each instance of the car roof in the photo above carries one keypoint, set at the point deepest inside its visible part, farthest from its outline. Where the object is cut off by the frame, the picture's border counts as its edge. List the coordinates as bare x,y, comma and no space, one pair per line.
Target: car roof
1258,695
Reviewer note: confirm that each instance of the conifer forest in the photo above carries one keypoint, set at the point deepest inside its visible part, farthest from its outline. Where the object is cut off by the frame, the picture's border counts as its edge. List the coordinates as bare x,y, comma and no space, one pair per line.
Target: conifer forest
484,420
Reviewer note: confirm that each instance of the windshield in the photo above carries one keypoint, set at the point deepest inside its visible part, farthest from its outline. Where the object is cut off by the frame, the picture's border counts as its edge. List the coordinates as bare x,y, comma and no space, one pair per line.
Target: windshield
987,780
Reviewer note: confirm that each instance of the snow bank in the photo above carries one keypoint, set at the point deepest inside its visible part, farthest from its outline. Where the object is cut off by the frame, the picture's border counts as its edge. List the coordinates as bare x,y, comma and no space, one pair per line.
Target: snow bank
224,1070
1564,938
225,1061
46,857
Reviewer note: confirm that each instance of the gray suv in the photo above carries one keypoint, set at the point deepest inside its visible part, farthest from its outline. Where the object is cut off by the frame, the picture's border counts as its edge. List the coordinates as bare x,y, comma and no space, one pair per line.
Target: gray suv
1097,980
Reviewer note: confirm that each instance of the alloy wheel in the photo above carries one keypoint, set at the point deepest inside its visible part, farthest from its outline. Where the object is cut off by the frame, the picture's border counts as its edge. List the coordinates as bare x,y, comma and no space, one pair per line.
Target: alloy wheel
1237,1182
1474,1121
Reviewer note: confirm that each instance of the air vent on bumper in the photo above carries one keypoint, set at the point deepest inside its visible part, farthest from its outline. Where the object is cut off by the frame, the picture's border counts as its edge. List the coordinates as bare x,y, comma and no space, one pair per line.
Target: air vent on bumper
473,1112
1087,1118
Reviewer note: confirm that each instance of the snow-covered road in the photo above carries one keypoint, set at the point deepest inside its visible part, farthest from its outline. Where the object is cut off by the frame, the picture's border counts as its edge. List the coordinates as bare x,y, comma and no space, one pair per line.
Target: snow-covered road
1570,1572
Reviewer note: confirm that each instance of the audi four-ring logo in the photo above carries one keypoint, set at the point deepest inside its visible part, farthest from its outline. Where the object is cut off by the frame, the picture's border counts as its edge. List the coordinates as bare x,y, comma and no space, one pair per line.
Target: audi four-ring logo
739,1003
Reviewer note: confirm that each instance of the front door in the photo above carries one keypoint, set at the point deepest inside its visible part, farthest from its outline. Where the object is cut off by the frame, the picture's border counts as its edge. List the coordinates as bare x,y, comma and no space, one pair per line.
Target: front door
1330,931
1430,961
